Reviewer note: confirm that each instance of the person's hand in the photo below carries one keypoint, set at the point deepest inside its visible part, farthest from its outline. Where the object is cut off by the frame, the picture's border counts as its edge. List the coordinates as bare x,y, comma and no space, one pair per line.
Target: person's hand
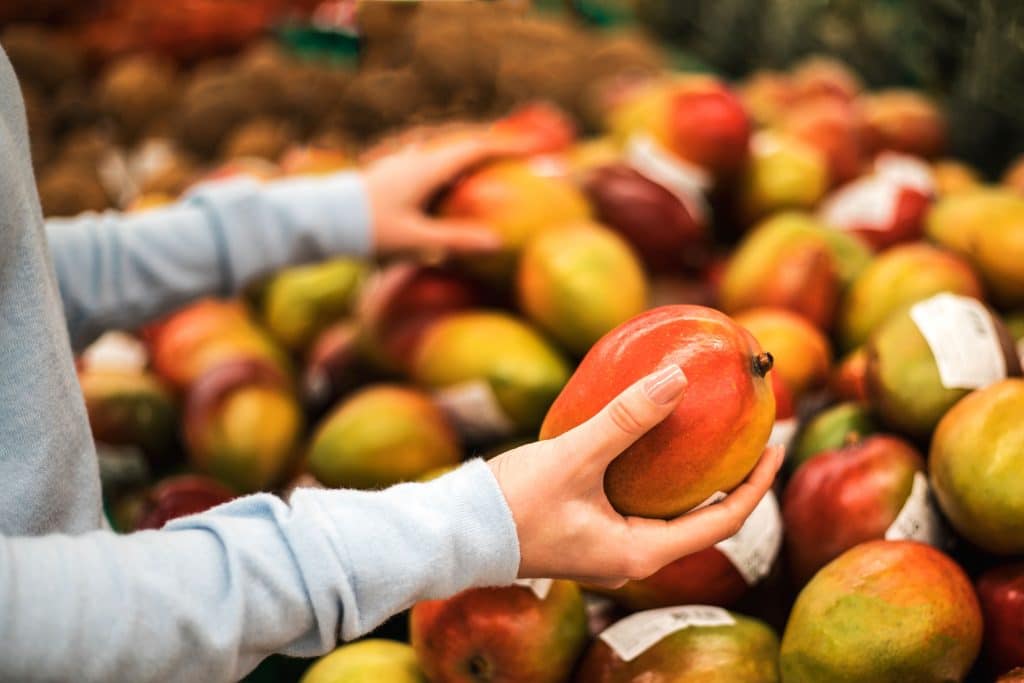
567,528
402,174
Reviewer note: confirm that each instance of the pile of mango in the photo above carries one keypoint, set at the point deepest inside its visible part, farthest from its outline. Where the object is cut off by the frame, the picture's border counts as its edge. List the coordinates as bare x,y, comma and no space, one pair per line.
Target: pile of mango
886,281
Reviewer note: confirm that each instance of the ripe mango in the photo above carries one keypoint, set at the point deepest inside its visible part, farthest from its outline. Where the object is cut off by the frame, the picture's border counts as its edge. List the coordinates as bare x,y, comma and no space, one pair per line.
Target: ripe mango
580,281
976,460
897,278
715,435
507,366
792,261
367,661
379,436
801,352
730,647
501,634
885,612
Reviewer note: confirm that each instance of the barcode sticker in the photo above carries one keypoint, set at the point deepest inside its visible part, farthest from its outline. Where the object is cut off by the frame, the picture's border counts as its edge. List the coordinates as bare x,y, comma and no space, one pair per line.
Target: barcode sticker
631,637
918,520
755,547
960,332
539,587
474,410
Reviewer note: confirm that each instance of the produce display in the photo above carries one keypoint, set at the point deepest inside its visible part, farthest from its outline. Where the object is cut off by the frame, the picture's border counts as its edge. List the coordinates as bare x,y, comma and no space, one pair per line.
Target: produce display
796,242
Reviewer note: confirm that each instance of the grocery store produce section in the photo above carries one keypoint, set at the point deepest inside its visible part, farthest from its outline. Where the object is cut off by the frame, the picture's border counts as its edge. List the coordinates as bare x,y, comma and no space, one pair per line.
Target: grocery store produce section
828,276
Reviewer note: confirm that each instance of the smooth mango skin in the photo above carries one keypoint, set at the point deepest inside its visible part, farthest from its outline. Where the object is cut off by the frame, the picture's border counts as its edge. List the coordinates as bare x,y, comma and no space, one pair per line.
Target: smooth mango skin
903,378
955,221
986,227
896,279
250,440
773,267
782,173
802,353
830,429
367,661
848,381
579,282
207,334
715,435
745,652
706,577
976,464
516,203
844,497
380,436
883,612
299,303
500,634
522,368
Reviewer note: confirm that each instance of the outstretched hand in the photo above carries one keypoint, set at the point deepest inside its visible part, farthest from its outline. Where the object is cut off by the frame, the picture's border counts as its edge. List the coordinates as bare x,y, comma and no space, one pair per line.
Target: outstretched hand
567,528
403,174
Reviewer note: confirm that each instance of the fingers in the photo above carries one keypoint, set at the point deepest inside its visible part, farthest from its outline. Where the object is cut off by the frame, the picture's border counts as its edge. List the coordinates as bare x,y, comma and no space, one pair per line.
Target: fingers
445,159
662,541
629,416
448,235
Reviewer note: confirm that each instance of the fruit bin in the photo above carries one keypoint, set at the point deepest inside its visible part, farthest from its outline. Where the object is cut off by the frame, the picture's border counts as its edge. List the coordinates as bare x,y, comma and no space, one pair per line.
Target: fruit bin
829,216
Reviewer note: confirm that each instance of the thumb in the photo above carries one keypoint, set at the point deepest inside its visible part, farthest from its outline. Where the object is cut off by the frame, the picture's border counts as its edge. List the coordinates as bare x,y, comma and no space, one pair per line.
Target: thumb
629,416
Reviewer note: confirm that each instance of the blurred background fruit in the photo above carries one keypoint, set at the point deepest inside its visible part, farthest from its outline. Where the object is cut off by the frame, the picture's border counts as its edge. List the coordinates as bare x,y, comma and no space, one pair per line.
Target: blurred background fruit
381,435
975,458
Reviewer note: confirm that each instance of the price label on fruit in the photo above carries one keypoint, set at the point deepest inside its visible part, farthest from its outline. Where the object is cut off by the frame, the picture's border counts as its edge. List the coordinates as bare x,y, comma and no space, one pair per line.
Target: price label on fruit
631,637
474,410
686,181
918,520
539,587
753,550
962,337
783,432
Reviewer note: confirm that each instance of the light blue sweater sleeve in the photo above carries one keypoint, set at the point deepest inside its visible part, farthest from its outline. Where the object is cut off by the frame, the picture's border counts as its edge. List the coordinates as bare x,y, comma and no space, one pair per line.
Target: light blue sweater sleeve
208,596
117,271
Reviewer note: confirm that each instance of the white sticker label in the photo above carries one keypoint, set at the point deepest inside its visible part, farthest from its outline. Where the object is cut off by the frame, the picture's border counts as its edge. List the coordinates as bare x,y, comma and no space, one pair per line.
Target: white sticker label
867,204
918,520
963,339
539,587
906,171
754,549
474,410
783,432
686,181
116,351
870,203
716,497
631,637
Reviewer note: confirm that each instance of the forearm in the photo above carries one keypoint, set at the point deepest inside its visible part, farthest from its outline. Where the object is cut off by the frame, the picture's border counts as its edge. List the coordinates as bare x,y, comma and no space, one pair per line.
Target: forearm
121,270
211,595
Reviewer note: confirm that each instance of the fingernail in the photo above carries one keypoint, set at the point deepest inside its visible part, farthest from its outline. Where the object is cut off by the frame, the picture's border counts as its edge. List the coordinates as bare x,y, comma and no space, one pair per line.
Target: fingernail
665,385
